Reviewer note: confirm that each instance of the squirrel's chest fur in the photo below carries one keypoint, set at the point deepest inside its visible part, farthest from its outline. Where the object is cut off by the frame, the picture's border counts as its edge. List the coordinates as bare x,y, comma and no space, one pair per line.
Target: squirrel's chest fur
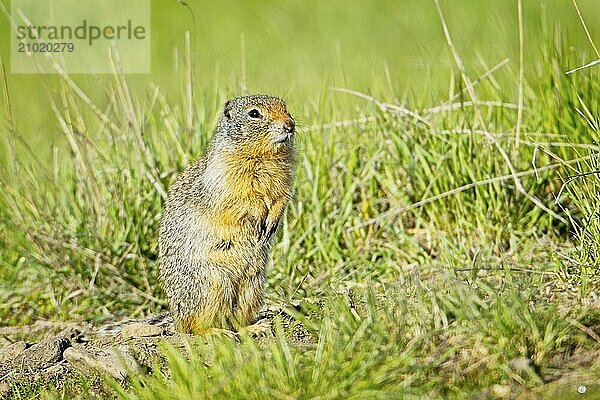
250,189
244,198
254,185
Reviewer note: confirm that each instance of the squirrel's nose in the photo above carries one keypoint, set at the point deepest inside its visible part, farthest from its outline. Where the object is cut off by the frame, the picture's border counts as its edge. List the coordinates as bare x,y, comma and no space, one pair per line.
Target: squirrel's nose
289,126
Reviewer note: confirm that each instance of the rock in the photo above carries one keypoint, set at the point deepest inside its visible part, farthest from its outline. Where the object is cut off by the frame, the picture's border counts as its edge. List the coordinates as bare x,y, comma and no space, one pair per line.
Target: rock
7,356
140,330
526,367
38,357
4,389
115,362
521,364
9,352
76,333
495,392
500,391
164,321
45,353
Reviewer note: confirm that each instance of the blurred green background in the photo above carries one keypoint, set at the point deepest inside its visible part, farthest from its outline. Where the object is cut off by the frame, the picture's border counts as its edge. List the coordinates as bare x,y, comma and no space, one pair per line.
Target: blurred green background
298,49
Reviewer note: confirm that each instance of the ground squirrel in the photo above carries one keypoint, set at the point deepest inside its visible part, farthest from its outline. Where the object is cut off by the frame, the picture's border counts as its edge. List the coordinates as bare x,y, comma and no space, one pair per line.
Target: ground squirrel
221,215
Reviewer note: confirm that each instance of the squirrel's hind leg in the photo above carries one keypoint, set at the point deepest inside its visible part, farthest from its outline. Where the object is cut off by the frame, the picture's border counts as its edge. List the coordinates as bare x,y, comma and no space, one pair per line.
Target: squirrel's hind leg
199,324
213,311
250,297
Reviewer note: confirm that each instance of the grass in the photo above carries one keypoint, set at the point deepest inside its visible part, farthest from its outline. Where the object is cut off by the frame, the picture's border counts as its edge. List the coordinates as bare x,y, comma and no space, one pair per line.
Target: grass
420,267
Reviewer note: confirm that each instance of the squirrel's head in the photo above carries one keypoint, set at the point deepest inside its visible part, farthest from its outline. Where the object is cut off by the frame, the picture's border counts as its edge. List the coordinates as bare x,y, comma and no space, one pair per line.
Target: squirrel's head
258,123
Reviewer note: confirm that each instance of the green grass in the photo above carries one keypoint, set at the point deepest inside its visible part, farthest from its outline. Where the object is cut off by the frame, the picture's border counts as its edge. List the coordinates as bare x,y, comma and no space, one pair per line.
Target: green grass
420,268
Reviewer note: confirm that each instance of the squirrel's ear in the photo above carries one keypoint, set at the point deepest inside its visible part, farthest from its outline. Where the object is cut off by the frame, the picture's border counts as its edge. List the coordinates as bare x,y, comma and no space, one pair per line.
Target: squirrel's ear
227,109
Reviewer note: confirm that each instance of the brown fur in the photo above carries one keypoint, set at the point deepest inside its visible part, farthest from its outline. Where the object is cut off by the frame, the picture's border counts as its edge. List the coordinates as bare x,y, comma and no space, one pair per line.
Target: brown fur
221,215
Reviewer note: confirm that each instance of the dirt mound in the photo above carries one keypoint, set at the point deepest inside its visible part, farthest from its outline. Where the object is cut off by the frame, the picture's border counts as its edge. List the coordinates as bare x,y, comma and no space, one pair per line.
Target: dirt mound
116,350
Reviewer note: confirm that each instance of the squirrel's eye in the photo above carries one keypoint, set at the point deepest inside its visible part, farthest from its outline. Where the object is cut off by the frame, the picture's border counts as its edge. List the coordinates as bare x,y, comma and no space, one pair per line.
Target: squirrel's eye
254,113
